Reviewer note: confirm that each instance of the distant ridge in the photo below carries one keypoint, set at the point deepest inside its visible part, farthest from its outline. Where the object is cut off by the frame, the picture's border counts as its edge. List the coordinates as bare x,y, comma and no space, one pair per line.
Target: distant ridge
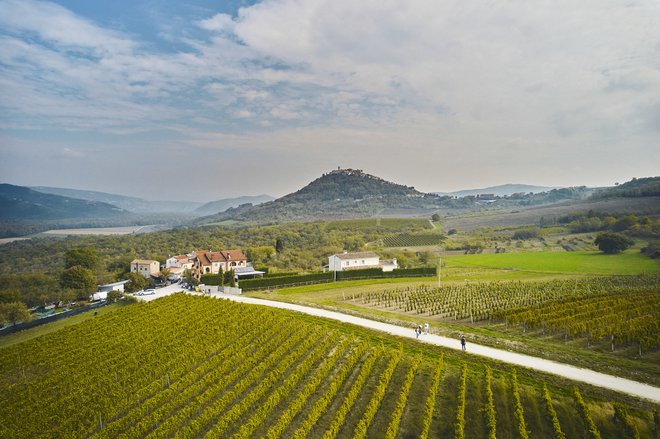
22,203
132,204
224,204
500,191
341,193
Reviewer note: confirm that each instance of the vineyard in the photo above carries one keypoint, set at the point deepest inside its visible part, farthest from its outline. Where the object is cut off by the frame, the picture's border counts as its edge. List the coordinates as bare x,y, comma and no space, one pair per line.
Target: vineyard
623,309
187,366
409,240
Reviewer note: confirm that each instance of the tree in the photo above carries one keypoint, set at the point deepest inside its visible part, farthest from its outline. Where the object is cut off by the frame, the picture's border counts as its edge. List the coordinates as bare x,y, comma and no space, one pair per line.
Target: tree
80,279
14,312
612,243
114,296
84,257
261,255
279,245
136,282
435,217
10,295
164,274
189,278
232,278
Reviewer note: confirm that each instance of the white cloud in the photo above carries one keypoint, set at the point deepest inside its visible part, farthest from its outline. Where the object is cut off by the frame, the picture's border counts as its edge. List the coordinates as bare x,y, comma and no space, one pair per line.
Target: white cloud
55,24
499,86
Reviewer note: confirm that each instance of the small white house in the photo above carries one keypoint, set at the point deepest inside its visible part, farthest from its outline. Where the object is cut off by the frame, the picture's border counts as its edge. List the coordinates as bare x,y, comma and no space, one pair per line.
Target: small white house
353,261
348,261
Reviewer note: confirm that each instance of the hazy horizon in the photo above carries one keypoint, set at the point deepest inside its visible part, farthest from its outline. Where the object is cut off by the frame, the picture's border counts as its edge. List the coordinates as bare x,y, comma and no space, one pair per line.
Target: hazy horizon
206,100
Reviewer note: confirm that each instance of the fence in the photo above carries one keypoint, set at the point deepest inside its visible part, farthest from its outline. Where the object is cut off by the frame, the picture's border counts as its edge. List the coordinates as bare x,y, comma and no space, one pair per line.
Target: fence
53,318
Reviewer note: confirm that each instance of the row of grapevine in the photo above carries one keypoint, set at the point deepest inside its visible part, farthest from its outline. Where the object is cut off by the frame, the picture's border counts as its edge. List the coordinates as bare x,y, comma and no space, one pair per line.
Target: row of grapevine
518,407
551,413
459,430
393,428
408,240
489,410
379,393
429,407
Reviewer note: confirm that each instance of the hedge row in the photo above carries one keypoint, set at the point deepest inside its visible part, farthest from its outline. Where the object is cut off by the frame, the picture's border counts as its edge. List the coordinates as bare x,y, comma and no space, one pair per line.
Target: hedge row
329,276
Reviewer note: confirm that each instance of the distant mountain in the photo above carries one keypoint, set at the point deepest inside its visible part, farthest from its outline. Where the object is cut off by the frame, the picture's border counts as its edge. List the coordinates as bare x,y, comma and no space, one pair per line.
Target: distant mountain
351,193
345,193
500,191
132,204
222,205
22,203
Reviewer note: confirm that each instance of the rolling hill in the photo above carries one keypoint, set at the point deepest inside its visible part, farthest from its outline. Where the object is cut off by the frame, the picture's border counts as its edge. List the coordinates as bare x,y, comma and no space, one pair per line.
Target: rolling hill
351,193
501,190
344,193
132,204
22,203
224,204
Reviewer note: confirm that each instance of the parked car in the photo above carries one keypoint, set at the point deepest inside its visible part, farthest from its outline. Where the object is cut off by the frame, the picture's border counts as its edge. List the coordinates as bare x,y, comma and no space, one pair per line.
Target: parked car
149,292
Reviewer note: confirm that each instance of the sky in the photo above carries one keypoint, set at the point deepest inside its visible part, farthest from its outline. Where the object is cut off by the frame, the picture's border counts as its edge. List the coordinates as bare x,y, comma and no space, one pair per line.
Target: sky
201,100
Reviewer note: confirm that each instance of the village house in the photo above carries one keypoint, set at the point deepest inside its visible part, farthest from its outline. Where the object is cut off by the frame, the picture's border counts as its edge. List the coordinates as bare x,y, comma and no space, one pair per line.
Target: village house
351,261
145,267
210,262
180,263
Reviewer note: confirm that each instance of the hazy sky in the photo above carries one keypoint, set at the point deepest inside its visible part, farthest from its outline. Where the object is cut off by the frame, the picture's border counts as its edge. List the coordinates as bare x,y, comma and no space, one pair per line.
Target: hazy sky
202,99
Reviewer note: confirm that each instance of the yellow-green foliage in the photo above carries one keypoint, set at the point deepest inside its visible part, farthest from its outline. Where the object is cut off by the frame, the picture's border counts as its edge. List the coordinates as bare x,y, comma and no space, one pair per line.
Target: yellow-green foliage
189,366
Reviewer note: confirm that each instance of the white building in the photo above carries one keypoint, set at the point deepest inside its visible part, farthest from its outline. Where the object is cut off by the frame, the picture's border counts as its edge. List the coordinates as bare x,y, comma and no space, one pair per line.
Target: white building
103,290
350,261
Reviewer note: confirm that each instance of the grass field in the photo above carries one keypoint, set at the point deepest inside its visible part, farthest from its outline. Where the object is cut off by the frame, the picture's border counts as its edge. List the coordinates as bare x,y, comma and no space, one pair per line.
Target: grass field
189,366
47,328
557,263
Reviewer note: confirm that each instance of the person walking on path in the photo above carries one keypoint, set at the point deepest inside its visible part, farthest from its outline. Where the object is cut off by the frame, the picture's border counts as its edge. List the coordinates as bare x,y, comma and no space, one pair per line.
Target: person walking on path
426,328
463,342
418,330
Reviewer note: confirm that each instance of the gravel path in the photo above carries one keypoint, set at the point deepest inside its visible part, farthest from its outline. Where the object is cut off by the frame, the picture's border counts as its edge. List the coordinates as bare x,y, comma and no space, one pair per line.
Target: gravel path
623,385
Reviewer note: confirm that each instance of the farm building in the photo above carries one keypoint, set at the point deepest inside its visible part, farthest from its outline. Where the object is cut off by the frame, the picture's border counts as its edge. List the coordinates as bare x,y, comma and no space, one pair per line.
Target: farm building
103,290
348,261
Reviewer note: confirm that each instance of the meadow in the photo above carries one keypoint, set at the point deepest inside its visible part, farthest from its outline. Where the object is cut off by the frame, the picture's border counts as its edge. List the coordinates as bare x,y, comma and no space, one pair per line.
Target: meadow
559,263
189,366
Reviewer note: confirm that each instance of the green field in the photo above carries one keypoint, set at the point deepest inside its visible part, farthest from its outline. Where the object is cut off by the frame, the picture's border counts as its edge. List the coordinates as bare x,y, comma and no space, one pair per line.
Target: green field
186,366
557,263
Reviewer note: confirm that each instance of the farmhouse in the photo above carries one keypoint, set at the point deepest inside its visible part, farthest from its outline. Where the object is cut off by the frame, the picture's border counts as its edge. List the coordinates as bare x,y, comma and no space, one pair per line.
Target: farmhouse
145,267
349,261
210,262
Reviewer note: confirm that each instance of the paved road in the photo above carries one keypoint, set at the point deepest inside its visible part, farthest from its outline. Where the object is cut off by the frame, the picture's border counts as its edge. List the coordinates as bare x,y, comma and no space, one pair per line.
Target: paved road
623,385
